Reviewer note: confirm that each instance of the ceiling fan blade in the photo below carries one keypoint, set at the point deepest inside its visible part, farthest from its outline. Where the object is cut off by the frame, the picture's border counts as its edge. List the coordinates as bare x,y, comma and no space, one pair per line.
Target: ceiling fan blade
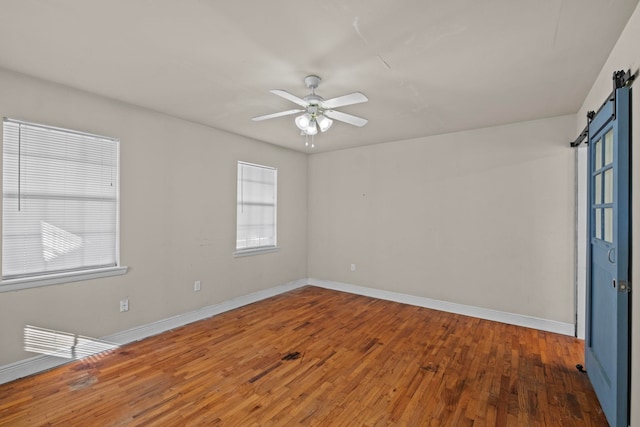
289,96
347,118
274,115
340,101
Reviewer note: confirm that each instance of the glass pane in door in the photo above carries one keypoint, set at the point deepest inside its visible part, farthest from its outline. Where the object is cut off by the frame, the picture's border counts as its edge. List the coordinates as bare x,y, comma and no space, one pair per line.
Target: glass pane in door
597,151
608,148
608,186
598,224
597,189
608,225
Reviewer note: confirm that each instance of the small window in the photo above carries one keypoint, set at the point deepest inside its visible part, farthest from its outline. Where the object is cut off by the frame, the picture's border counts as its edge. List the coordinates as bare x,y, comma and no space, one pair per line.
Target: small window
60,204
256,208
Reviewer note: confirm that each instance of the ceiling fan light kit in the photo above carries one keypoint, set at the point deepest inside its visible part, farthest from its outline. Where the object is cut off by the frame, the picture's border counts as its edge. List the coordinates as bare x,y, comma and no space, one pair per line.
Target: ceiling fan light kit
310,121
324,122
317,113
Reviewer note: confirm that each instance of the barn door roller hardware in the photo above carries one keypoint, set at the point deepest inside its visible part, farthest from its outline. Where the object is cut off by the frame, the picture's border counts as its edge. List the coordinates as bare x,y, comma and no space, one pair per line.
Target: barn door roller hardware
620,79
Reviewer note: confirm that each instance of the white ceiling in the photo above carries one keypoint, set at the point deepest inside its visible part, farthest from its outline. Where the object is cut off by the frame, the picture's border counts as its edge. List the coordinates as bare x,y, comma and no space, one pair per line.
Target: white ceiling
427,66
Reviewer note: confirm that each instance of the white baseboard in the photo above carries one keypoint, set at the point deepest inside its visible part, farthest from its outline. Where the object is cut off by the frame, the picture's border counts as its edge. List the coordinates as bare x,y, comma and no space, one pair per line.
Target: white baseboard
451,307
148,330
33,365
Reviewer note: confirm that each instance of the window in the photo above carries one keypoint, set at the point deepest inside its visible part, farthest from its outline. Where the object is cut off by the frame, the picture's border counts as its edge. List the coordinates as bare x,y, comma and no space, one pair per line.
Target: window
256,211
60,205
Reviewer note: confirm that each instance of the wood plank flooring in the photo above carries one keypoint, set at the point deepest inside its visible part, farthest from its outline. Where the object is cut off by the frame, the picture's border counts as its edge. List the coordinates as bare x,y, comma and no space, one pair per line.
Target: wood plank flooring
319,357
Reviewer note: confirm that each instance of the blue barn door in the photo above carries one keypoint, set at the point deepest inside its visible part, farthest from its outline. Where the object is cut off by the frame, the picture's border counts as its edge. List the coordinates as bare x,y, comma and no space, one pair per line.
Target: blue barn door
607,334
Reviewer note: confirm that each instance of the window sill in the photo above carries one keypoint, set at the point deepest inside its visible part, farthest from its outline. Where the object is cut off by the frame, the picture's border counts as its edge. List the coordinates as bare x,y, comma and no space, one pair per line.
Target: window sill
255,251
56,279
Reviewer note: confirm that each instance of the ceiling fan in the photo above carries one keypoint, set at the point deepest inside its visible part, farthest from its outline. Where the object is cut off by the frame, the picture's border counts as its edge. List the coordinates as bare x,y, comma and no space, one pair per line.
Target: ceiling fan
318,113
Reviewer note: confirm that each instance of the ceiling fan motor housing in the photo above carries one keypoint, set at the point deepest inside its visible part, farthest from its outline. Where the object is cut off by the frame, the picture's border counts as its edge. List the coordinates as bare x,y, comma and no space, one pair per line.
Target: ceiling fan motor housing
313,99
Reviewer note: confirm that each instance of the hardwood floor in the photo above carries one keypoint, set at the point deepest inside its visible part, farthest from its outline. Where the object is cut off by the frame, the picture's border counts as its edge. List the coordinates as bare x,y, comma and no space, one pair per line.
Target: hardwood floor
319,357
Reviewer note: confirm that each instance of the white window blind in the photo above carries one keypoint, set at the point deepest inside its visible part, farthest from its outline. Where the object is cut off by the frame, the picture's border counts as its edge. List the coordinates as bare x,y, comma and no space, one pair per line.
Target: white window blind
60,201
256,212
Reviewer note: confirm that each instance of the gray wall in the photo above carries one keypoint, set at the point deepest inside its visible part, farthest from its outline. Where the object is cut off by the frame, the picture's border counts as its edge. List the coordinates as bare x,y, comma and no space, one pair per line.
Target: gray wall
178,192
482,218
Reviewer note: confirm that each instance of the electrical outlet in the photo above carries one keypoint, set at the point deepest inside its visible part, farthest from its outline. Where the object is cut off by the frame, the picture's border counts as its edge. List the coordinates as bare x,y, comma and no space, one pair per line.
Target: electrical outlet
196,286
124,305
353,267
